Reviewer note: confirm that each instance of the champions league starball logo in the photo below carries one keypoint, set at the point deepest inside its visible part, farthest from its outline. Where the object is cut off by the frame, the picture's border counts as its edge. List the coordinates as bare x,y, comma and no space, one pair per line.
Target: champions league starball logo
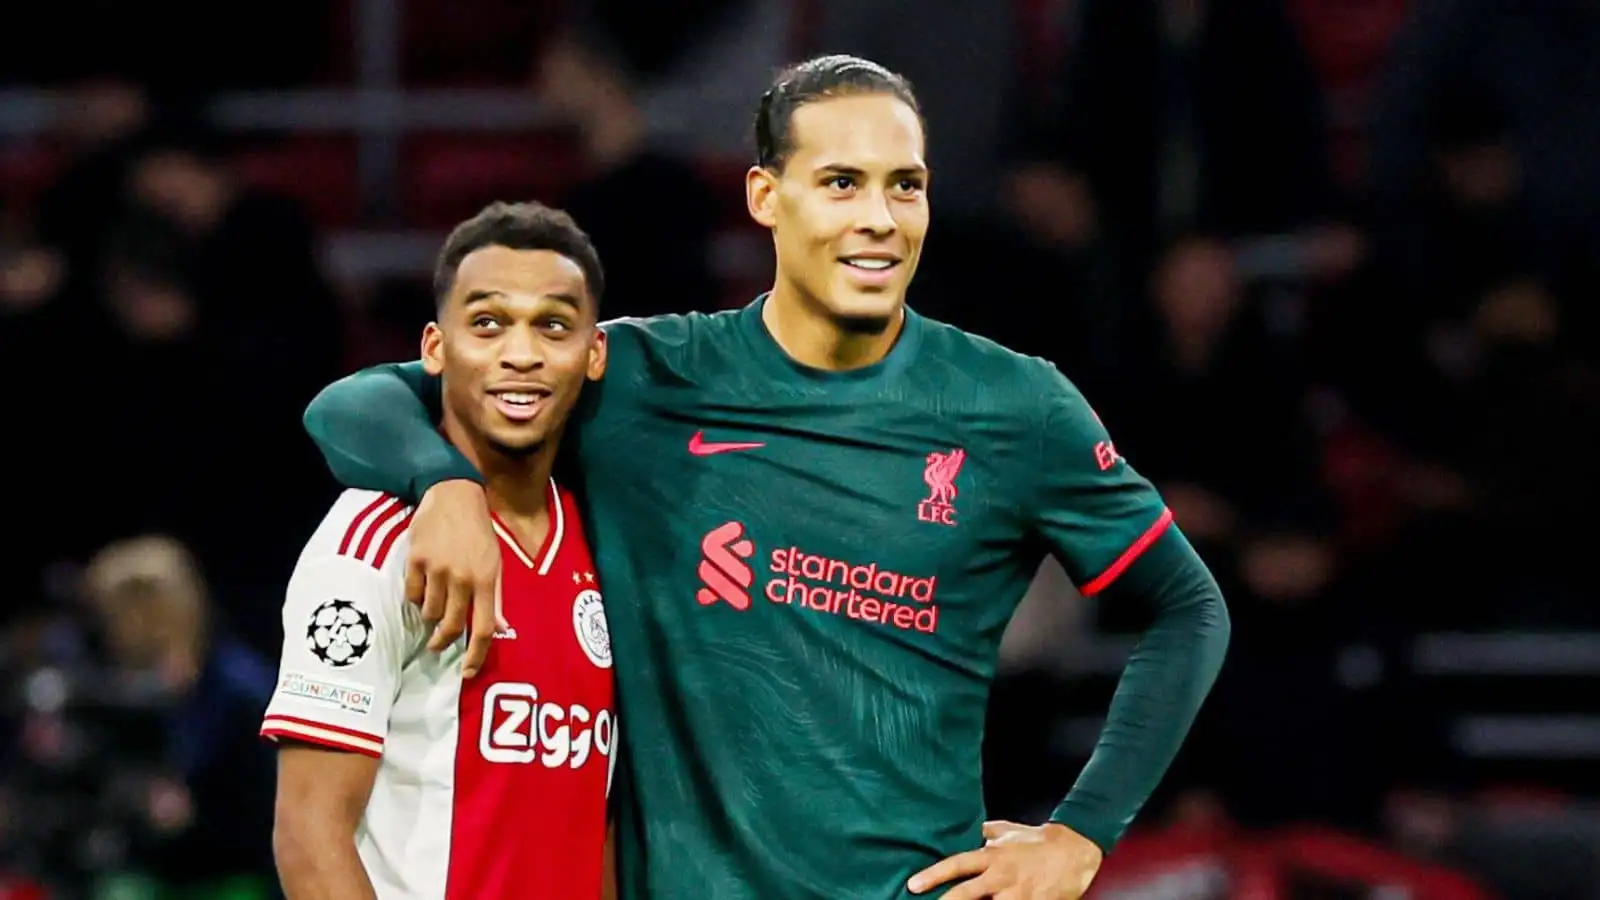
339,633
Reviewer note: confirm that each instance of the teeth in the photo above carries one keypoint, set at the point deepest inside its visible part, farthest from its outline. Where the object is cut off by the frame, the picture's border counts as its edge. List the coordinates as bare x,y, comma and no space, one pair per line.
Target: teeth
874,264
519,399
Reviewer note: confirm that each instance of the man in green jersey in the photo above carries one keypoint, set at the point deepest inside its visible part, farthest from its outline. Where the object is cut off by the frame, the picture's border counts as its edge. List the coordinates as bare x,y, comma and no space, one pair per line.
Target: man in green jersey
814,517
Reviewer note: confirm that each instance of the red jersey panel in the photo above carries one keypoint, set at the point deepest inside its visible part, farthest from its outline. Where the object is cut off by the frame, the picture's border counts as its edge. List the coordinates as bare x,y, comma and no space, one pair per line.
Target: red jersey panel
537,736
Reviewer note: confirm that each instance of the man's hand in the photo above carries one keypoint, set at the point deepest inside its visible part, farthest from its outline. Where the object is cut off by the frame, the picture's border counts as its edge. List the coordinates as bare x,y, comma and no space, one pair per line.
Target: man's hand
454,567
1018,862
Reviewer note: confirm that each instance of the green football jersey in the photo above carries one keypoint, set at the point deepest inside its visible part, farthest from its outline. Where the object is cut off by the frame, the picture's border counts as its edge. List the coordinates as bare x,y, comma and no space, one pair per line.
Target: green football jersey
807,576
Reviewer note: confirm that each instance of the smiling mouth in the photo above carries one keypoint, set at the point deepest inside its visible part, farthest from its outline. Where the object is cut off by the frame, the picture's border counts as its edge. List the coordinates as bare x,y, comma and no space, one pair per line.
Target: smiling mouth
519,405
870,263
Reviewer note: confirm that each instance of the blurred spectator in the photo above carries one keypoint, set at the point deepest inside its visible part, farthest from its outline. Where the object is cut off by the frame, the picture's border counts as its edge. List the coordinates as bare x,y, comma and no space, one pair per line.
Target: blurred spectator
220,309
209,795
648,211
1497,97
1174,117
140,765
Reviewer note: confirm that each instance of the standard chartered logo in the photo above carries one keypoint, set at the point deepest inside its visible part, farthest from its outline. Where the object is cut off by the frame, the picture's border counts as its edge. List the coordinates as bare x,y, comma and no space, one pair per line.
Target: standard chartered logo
519,728
865,592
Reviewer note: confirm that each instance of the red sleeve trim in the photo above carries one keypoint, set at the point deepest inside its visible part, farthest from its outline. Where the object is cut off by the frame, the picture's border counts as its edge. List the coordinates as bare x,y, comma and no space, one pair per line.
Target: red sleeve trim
1134,551
361,539
275,727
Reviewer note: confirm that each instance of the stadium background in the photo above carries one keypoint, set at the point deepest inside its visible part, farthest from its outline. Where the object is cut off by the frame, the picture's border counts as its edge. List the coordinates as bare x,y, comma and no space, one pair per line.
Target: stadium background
1326,268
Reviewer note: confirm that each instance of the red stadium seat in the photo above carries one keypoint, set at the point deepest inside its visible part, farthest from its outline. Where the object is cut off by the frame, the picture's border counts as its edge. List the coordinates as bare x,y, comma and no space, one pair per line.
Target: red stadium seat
320,172
446,178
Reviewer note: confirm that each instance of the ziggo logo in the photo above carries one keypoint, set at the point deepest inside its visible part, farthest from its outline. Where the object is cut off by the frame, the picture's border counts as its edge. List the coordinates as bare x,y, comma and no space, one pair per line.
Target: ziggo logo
517,728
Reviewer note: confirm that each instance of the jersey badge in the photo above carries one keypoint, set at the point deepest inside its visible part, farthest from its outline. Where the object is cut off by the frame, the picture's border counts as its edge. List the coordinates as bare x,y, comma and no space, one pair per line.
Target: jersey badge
339,633
940,476
589,621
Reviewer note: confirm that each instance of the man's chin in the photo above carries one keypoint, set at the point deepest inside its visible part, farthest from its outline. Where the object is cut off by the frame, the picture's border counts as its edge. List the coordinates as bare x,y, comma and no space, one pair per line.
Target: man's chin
515,443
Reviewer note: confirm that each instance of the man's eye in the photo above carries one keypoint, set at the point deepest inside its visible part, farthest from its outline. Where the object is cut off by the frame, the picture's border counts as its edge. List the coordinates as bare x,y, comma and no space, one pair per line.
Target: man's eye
842,182
483,322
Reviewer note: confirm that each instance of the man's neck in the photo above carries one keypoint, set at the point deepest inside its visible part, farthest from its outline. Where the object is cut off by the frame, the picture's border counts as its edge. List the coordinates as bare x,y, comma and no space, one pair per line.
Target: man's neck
811,338
517,486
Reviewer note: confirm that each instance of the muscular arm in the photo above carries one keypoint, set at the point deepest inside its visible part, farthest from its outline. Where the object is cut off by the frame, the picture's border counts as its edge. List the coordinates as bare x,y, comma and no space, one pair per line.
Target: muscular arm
377,431
1115,537
321,796
1162,688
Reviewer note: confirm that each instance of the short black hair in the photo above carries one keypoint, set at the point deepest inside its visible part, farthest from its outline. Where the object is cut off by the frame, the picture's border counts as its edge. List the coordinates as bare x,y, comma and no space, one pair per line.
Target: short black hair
518,226
820,78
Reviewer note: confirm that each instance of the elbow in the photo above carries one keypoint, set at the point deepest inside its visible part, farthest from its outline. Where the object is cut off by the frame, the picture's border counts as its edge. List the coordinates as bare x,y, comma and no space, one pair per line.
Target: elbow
1221,622
320,410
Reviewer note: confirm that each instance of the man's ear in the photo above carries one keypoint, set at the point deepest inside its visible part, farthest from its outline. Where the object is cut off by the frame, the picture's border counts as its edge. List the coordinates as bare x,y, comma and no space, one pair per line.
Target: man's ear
761,196
598,351
433,349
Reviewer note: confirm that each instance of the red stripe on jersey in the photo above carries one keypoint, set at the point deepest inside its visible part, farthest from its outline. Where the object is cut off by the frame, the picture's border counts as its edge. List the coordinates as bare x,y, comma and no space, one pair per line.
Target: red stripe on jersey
383,518
1104,579
323,726
389,539
321,734
360,520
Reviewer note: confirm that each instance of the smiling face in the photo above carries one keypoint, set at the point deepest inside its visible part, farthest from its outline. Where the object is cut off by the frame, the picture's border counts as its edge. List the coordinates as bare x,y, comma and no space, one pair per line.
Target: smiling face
849,207
515,341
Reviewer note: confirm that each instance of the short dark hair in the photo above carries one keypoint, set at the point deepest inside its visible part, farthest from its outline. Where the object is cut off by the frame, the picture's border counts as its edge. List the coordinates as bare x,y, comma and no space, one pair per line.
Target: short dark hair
518,226
820,78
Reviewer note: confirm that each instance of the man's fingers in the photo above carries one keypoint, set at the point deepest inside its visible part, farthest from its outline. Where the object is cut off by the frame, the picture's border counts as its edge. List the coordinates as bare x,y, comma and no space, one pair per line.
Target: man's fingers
998,827
485,621
416,582
984,886
962,865
435,591
457,606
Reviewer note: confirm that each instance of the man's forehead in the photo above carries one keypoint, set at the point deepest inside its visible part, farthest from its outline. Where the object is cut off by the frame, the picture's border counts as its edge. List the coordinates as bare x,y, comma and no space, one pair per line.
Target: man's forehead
528,273
868,131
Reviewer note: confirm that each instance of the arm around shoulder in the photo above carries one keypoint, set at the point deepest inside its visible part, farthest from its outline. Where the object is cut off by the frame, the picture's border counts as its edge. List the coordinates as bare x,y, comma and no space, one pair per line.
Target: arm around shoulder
376,430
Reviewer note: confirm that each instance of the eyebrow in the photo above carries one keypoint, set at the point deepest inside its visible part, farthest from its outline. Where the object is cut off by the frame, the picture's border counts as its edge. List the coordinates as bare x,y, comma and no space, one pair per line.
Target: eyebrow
842,169
480,295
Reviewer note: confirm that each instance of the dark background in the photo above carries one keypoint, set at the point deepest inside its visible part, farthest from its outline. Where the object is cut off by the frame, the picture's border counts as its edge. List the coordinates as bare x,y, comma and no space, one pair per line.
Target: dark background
1326,268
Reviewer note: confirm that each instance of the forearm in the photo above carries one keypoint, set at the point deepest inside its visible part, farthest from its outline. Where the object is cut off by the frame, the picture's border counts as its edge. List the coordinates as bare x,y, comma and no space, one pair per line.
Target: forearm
316,864
1162,688
375,430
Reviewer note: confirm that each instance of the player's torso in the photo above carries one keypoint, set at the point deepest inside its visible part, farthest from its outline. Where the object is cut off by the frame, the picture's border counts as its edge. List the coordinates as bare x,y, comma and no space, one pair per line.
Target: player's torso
817,580
529,765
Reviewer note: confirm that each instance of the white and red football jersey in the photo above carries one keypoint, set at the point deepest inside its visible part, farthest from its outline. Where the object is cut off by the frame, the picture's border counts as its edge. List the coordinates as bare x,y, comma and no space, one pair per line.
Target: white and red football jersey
488,788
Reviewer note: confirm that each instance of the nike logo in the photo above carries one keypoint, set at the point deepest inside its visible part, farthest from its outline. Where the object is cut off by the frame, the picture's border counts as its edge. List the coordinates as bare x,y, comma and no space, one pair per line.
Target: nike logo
699,446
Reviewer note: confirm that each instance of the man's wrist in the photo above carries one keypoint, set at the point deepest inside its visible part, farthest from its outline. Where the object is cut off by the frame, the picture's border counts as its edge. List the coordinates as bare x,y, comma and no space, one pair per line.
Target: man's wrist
428,480
1082,822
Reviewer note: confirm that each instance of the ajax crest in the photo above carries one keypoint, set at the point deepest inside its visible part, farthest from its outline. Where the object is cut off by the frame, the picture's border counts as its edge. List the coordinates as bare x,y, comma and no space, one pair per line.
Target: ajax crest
589,621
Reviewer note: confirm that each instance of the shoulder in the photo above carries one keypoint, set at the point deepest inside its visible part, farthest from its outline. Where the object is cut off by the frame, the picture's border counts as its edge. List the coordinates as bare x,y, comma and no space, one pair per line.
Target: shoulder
365,529
672,330
354,564
1013,382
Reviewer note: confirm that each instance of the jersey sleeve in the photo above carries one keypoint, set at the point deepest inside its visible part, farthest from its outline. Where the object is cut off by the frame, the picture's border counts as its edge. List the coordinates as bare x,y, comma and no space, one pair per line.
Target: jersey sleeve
344,643
377,431
1093,510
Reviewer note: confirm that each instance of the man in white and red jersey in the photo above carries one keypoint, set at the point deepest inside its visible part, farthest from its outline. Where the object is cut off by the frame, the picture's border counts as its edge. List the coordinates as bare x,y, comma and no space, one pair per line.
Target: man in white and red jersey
398,778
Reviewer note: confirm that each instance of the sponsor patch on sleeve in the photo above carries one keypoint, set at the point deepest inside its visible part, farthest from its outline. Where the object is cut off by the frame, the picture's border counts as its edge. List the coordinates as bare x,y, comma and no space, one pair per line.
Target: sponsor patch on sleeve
345,696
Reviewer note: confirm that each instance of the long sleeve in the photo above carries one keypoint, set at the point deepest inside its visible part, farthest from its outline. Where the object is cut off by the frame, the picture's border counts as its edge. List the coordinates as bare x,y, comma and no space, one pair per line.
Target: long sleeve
1162,688
1115,537
377,431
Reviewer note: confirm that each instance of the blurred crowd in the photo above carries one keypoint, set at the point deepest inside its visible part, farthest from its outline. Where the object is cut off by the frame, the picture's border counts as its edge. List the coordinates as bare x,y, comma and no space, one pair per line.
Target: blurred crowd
1324,267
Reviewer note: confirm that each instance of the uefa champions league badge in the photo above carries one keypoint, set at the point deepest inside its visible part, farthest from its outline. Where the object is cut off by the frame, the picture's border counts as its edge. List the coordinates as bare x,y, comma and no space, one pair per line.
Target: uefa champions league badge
339,633
589,621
